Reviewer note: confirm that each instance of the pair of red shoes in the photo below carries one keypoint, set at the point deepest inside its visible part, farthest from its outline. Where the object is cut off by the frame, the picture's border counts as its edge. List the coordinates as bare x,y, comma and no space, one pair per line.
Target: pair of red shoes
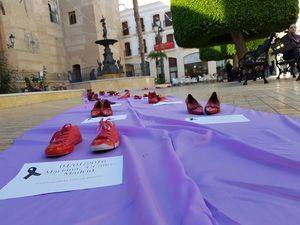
125,95
102,108
154,98
63,141
194,107
91,96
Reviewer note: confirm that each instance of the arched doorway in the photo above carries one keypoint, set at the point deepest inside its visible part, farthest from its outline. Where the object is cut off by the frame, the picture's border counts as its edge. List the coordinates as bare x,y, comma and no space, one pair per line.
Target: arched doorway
77,73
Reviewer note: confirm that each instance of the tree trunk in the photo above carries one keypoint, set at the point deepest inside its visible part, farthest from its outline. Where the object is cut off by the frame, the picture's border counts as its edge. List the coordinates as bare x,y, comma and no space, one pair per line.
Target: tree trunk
139,34
240,44
235,61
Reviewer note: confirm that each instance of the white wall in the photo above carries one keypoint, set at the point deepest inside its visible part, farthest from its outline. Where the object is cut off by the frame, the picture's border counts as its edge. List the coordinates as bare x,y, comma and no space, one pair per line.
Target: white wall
147,12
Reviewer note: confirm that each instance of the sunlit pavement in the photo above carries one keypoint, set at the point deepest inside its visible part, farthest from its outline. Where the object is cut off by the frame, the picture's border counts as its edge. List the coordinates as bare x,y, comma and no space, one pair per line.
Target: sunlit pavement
281,97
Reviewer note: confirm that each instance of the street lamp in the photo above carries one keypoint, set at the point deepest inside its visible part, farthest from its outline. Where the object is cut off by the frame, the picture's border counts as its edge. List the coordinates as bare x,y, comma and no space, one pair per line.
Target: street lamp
11,43
158,30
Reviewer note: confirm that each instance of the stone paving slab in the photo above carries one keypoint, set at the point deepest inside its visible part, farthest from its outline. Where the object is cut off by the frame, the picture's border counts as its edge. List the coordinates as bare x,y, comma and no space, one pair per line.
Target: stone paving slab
281,97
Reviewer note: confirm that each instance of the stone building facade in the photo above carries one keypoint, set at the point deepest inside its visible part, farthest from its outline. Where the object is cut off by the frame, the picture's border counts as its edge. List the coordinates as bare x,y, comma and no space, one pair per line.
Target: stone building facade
58,35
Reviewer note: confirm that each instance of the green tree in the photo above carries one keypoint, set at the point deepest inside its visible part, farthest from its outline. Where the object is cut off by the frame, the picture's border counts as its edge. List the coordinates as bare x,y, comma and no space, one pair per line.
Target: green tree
204,23
139,34
156,55
226,51
7,77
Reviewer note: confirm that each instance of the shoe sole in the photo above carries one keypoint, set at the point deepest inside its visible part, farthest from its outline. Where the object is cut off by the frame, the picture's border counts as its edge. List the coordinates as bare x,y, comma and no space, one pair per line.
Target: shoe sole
103,147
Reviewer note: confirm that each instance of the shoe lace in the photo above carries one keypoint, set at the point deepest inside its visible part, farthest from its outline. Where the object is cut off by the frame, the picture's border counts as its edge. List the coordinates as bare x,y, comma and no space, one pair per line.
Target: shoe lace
105,130
61,136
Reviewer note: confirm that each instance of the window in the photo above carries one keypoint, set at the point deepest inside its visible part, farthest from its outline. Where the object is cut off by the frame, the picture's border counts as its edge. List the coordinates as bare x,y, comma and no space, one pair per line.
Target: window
127,49
168,19
53,11
145,46
142,24
72,18
155,18
170,38
125,28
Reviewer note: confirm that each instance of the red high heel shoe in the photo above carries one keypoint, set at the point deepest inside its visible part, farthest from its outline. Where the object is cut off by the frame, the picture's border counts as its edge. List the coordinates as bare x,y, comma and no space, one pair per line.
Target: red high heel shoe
193,106
213,104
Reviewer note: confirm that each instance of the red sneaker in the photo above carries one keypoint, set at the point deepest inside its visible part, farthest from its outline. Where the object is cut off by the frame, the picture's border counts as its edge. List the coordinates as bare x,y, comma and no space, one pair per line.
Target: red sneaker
213,104
106,108
193,106
126,95
107,139
63,141
152,98
137,97
96,111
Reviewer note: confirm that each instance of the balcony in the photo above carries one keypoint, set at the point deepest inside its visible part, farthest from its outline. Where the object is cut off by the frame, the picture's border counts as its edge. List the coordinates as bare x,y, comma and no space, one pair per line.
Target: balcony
164,46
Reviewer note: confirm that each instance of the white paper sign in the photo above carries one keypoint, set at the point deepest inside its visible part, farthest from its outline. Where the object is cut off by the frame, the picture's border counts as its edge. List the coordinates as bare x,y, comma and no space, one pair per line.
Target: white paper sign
218,119
116,105
167,103
111,118
51,177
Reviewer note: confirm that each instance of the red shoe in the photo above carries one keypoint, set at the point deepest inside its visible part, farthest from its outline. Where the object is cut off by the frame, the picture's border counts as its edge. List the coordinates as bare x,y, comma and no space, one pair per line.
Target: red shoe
145,95
116,94
107,139
101,93
63,141
137,97
95,97
90,95
161,98
106,108
193,107
153,98
126,95
111,93
213,104
96,111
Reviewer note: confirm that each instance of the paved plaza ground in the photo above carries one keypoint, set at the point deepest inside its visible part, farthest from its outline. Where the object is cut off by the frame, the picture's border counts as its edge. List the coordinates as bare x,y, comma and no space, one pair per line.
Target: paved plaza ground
281,97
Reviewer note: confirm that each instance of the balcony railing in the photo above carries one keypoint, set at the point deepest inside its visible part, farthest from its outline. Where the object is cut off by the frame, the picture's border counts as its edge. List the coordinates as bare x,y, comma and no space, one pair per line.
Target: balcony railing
164,46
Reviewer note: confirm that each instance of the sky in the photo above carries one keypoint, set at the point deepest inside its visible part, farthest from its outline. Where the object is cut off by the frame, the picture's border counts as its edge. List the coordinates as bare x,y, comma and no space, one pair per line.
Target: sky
128,3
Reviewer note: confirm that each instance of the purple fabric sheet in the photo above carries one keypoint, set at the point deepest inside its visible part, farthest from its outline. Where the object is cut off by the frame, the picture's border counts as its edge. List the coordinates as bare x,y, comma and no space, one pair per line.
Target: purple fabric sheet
175,172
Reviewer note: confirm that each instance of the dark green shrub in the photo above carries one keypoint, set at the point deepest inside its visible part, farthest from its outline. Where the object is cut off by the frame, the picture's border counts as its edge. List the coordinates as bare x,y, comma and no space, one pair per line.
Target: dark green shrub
203,23
226,51
7,77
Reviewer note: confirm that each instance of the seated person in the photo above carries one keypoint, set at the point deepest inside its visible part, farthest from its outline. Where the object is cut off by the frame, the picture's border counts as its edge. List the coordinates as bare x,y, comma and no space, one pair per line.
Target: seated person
291,41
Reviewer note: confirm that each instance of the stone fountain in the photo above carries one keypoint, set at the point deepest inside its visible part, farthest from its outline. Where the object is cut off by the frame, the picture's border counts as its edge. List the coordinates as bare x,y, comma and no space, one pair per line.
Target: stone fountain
109,68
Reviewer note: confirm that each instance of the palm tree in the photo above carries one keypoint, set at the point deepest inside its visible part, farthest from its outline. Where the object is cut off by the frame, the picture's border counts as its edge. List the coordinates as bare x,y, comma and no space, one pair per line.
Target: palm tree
158,57
139,34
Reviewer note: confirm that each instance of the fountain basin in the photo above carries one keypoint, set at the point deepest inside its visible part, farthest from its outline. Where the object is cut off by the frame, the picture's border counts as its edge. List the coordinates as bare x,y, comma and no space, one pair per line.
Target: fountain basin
106,42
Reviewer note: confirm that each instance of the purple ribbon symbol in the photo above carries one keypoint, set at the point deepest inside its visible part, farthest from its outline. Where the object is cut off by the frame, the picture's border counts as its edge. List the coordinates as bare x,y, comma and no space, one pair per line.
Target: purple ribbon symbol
31,172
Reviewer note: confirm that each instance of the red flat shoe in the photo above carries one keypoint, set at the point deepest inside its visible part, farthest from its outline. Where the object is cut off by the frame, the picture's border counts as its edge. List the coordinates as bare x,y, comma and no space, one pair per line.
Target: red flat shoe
107,139
213,104
126,95
96,111
63,141
111,93
137,97
106,108
193,106
152,98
